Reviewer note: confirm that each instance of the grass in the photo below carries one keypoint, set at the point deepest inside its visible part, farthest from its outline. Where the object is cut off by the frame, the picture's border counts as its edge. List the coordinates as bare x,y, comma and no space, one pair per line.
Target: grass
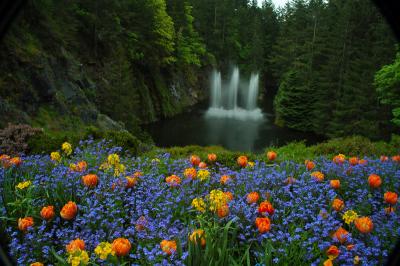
294,151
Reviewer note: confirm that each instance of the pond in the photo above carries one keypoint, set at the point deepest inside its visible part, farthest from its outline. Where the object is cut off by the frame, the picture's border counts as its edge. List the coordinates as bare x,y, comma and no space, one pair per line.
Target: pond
238,133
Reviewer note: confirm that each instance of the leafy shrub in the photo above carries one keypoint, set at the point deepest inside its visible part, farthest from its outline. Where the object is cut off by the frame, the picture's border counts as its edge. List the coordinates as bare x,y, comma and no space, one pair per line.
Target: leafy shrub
353,146
47,142
51,141
14,138
225,157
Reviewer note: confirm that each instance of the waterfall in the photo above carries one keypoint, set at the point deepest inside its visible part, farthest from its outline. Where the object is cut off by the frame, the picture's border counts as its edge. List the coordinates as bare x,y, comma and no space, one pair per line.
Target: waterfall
224,97
216,86
252,92
233,89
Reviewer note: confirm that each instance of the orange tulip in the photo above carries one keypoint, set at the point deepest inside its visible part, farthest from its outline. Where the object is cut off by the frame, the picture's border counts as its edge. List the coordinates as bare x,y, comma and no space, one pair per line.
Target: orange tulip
202,165
390,197
271,155
173,180
350,247
36,264
16,161
328,262
333,252
131,181
266,206
341,235
74,245
339,159
363,162
335,184
195,160
396,158
364,224
137,174
253,197
318,176
374,181
190,173
69,211
90,180
223,211
212,157
25,223
121,246
384,158
309,165
242,161
224,179
263,224
337,205
168,246
47,212
81,166
229,196
4,157
353,161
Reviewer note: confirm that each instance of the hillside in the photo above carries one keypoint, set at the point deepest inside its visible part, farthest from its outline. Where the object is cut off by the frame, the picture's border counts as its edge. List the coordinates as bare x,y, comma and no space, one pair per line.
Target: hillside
65,66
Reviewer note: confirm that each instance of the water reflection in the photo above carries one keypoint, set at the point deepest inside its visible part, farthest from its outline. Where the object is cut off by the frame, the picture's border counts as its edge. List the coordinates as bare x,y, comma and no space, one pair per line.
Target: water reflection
198,128
236,134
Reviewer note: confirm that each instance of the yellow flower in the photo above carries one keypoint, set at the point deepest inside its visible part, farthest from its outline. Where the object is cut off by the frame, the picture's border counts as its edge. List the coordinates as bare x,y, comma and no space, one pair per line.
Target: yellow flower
198,204
105,166
79,257
251,164
113,159
155,160
72,166
349,216
203,174
67,148
103,250
119,169
217,199
55,156
23,185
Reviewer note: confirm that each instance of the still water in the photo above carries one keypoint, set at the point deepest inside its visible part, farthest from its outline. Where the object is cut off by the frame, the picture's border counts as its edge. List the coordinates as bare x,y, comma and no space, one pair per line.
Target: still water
234,132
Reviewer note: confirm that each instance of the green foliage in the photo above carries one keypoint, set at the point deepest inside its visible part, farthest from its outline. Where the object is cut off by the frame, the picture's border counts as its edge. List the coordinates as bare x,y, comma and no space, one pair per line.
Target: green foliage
295,151
324,58
387,83
50,141
354,146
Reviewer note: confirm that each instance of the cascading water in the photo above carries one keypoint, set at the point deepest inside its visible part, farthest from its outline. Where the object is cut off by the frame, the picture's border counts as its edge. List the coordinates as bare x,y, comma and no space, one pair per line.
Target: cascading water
216,86
233,89
252,92
225,97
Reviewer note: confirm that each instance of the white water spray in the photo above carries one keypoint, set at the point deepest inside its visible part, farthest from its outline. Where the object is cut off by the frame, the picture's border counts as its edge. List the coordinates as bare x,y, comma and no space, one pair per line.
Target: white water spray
252,92
216,86
224,99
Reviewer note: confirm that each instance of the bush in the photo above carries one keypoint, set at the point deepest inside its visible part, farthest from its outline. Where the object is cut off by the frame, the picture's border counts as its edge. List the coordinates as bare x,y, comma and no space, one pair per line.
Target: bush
14,138
47,142
353,146
51,141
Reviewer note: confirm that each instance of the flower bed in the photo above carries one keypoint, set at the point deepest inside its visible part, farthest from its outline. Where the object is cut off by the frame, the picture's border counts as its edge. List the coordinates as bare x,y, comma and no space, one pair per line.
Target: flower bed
89,205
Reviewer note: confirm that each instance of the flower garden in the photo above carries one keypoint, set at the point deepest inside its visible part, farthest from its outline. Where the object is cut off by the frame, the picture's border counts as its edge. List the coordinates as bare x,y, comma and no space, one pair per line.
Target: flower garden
96,205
